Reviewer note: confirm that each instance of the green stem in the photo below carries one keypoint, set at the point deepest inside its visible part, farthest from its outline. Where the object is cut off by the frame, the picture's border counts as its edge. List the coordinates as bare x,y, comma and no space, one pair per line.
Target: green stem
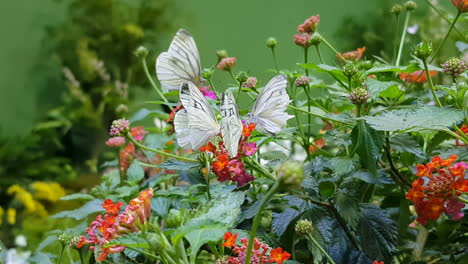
309,236
239,92
168,259
402,40
182,252
306,49
319,54
61,254
148,75
331,73
463,199
232,75
160,152
149,255
455,135
80,253
333,49
431,84
212,86
256,221
258,167
275,59
446,37
207,180
395,40
445,18
461,134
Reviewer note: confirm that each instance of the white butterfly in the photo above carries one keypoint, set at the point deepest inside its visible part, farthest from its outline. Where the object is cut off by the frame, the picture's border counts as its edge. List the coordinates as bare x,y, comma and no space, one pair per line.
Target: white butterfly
196,124
269,110
231,126
180,64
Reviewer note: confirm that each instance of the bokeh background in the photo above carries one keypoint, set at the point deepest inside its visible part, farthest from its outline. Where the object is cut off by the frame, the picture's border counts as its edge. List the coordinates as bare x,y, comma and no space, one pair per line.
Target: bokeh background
67,69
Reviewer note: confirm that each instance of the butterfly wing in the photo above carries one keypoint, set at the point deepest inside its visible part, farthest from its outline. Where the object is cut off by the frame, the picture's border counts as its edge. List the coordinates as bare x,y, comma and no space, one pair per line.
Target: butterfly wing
231,126
269,111
198,125
181,126
181,63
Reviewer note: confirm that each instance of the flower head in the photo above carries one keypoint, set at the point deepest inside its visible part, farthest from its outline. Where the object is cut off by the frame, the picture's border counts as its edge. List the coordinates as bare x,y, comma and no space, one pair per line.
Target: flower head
462,5
207,93
309,25
354,55
417,76
249,148
454,67
230,239
303,227
278,255
138,133
115,142
119,127
302,81
303,39
251,82
359,96
226,64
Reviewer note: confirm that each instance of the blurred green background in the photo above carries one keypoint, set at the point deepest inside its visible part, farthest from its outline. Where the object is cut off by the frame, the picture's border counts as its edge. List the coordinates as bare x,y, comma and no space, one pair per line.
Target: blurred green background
31,80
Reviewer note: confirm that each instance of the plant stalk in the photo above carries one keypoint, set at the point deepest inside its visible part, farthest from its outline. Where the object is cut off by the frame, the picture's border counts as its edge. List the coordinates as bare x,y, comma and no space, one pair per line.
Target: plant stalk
431,84
311,237
446,37
148,75
402,40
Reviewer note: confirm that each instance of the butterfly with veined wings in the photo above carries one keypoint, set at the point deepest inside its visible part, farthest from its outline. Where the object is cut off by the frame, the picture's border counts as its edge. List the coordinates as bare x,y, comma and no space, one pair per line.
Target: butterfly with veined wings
180,64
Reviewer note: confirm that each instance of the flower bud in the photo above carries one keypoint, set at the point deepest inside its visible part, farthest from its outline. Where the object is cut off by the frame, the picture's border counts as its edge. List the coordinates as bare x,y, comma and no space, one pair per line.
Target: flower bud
121,109
207,73
141,52
349,69
309,25
271,43
241,77
410,5
266,220
156,241
250,83
316,39
174,218
226,64
222,260
303,39
69,239
462,5
423,49
302,81
364,65
119,127
454,67
359,96
303,227
222,54
290,175
396,9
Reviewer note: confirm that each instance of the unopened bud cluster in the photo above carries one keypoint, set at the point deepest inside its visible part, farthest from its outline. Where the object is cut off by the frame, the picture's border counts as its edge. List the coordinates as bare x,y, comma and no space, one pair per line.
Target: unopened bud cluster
396,9
359,96
454,67
241,77
119,127
349,69
290,175
141,52
303,227
271,43
410,5
302,81
423,49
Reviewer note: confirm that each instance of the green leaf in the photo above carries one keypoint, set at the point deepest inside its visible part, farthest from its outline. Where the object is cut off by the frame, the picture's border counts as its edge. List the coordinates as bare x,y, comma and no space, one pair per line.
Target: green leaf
135,173
39,258
406,143
282,220
367,143
77,196
130,240
348,207
174,164
376,87
143,113
199,237
225,209
382,177
378,233
341,165
274,155
91,207
416,119
327,188
325,69
162,103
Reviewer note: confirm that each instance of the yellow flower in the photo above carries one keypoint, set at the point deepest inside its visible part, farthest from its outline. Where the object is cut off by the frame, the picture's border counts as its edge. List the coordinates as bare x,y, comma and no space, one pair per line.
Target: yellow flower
11,216
27,200
50,191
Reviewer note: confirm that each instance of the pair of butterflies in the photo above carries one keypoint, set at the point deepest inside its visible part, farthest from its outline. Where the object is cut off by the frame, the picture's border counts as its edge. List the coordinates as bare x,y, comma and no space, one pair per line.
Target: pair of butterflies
196,124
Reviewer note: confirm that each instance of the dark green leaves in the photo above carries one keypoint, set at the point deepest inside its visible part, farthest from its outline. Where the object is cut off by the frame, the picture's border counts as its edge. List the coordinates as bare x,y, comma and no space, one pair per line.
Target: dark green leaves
93,206
135,173
367,144
174,164
376,87
415,119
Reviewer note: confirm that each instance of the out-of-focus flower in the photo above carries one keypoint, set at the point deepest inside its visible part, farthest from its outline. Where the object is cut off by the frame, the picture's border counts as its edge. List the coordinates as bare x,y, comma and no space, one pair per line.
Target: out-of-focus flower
230,239
303,39
251,82
410,5
396,9
207,93
309,25
141,52
316,39
226,64
115,142
417,76
359,96
127,156
222,54
354,55
112,225
119,127
454,67
462,5
413,29
11,216
49,191
302,81
290,174
138,133
377,262
320,143
440,181
26,199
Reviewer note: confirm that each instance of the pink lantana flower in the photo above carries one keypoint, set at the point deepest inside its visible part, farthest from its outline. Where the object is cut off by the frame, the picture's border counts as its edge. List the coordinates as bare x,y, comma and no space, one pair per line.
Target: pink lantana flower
207,93
115,141
249,148
454,208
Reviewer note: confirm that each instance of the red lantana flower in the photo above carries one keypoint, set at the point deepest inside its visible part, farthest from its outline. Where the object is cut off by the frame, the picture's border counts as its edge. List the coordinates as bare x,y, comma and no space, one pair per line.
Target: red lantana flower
377,262
230,239
278,255
435,191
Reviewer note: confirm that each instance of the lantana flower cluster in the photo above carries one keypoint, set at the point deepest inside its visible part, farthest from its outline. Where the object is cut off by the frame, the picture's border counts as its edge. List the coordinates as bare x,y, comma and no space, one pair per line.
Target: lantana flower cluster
128,153
259,251
306,30
233,169
114,224
437,189
353,55
417,76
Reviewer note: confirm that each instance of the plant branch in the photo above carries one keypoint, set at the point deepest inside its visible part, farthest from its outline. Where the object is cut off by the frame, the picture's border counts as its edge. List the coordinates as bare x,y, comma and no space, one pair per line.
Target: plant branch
148,75
402,40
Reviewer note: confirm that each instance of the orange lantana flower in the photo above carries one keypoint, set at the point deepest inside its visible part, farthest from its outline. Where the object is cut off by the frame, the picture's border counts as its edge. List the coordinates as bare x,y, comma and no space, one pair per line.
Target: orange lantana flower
417,76
278,255
230,239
